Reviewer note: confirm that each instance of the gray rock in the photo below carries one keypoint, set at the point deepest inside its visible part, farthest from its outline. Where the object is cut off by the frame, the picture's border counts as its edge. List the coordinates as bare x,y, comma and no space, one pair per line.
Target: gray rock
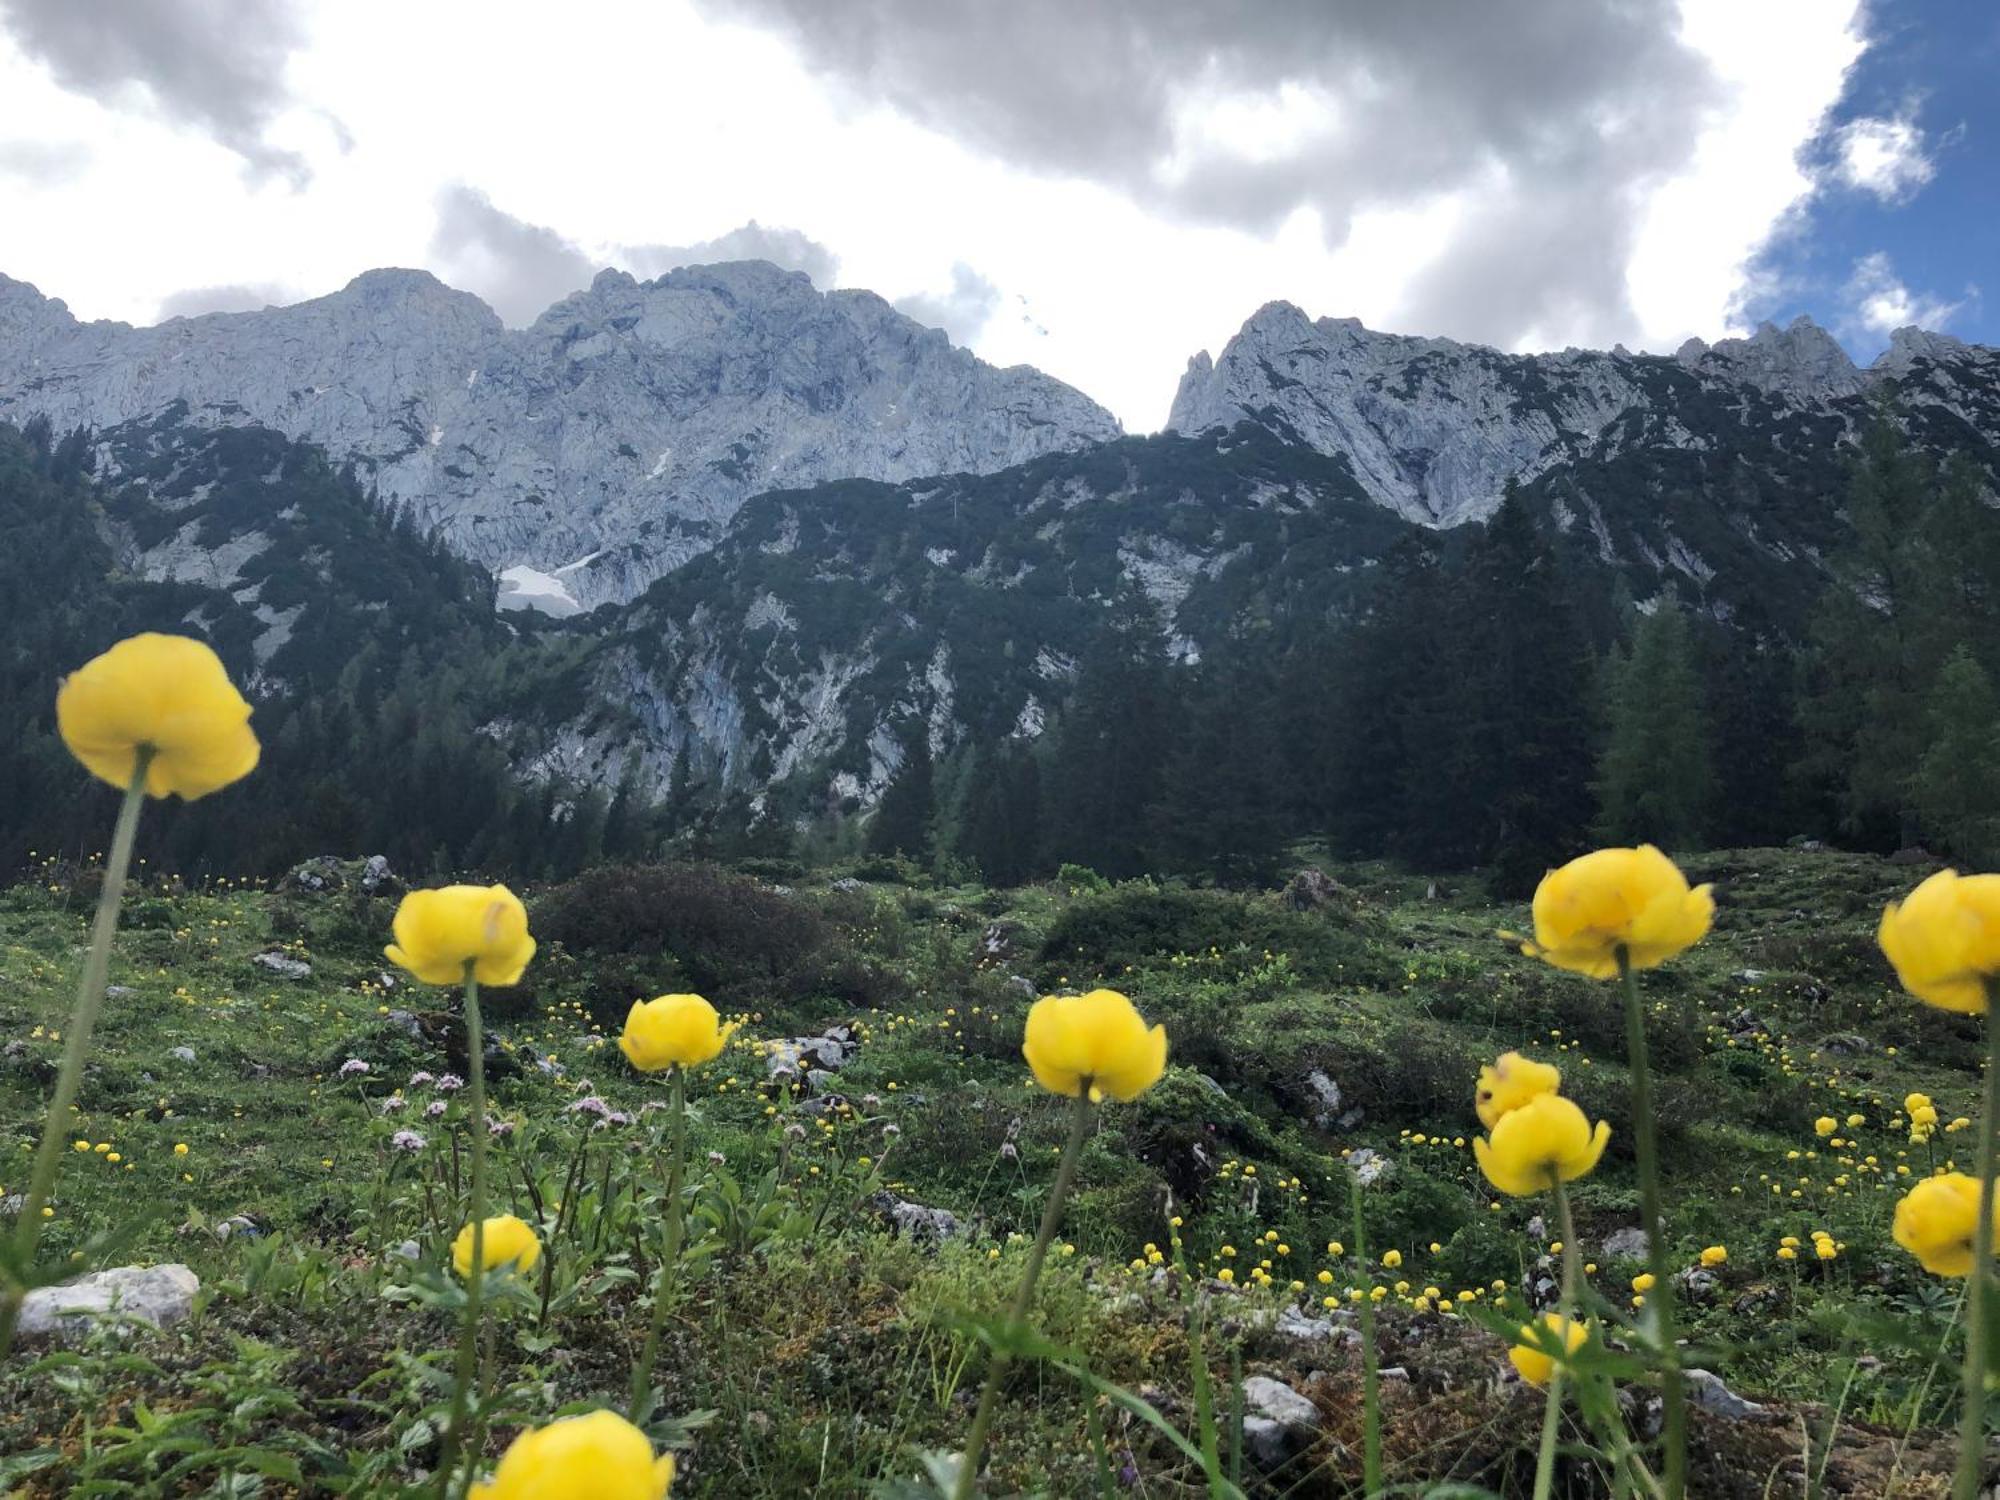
377,879
119,991
917,1220
997,941
1625,1244
1370,1166
1297,1325
648,411
1311,889
282,965
1845,1044
1277,1420
181,1054
806,1054
1696,1284
408,1250
1435,429
155,1296
319,876
1706,1390
407,1022
1326,1097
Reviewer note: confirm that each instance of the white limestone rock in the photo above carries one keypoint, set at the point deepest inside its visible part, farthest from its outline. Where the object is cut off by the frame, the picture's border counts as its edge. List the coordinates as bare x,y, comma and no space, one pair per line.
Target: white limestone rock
155,1296
1435,429
582,456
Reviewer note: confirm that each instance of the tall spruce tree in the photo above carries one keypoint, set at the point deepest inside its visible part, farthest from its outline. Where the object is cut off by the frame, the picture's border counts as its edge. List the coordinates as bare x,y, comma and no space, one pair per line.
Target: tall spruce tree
1956,786
903,820
1518,758
1653,775
1220,811
1388,674
1872,652
1000,827
1110,747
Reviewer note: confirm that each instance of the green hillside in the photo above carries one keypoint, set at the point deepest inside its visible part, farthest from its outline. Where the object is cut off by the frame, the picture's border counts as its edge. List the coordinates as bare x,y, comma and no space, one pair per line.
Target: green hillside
816,1348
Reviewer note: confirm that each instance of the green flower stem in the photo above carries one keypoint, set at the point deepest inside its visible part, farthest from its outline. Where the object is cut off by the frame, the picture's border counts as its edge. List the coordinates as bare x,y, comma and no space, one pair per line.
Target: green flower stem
1545,1463
1661,1296
670,1256
1371,1378
76,1043
468,1336
989,1399
1978,1286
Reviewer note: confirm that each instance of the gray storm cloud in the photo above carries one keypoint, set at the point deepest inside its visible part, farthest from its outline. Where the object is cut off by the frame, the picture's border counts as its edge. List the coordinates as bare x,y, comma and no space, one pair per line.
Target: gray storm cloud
1552,118
520,269
193,301
217,65
961,312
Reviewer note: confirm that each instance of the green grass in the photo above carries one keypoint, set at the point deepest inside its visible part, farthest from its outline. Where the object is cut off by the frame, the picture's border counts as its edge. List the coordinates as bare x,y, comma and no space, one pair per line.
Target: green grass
816,1353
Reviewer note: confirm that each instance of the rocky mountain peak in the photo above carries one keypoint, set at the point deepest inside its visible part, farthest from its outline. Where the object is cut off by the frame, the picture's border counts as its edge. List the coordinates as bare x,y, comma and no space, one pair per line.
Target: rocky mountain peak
1435,429
1800,362
587,454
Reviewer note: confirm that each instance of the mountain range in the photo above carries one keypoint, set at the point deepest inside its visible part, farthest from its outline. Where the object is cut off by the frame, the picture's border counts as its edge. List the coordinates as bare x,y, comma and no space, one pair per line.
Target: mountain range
769,526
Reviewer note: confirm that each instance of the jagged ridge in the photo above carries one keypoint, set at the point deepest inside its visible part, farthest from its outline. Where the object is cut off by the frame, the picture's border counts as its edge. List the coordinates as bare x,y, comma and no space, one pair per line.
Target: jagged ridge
594,450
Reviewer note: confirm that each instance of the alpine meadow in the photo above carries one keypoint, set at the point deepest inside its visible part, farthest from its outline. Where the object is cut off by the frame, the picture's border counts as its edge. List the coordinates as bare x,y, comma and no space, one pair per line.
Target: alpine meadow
630,869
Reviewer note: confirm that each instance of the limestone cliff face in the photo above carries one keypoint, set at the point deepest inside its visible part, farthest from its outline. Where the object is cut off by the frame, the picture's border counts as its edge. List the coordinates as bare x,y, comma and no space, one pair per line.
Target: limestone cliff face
584,456
1435,430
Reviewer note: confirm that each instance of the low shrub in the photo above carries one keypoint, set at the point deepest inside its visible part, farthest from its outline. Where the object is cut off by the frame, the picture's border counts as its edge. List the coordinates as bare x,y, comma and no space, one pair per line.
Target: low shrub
642,929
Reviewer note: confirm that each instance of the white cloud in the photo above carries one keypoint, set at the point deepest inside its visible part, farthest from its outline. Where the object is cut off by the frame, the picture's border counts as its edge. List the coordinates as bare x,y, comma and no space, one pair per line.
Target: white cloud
688,128
1879,302
1883,155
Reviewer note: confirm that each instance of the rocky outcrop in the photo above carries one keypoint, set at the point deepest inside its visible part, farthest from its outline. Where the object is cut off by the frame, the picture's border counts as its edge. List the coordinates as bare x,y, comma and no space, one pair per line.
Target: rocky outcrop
583,456
1436,429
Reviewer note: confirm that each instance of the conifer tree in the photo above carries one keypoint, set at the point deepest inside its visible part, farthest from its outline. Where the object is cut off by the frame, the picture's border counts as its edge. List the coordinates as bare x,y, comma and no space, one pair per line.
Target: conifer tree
903,819
1653,776
1956,788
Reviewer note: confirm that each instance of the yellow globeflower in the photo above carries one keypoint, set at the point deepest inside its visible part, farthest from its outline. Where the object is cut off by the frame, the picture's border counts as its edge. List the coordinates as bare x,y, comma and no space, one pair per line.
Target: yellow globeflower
1944,939
1914,1102
1546,1138
1535,1365
1825,1126
1635,899
507,1242
596,1457
163,692
439,932
672,1029
1935,1222
1097,1041
1714,1256
1510,1083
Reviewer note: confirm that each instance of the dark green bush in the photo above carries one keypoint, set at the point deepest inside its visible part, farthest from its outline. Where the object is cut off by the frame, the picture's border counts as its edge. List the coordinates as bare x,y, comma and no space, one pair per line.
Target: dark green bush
636,929
1138,925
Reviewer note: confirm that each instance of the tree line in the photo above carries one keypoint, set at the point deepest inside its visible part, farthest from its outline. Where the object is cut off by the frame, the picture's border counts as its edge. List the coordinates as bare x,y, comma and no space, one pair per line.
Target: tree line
1475,715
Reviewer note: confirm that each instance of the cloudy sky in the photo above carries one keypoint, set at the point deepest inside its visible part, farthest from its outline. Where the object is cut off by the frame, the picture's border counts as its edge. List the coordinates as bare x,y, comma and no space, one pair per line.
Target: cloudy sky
1096,187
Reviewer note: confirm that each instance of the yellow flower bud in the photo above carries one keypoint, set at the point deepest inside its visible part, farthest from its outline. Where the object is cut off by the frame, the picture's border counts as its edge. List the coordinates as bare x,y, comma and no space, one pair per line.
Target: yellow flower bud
1546,1138
1509,1083
1635,899
165,693
1936,1221
1944,939
596,1457
1097,1042
670,1030
507,1241
439,932
1533,1362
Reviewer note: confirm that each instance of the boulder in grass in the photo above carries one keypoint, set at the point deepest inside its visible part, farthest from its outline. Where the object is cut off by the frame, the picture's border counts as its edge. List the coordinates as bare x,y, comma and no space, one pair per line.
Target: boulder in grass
152,1296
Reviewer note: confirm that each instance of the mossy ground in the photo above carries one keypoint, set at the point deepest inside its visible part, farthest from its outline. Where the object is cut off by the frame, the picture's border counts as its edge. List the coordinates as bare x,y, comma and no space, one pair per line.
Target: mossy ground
813,1352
